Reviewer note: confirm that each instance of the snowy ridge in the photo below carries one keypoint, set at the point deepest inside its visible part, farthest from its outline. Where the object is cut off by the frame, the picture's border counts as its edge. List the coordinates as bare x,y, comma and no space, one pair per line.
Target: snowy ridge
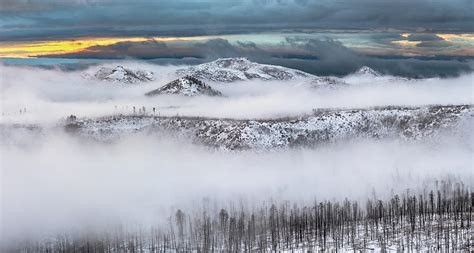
241,69
371,75
321,126
187,86
367,71
326,81
121,74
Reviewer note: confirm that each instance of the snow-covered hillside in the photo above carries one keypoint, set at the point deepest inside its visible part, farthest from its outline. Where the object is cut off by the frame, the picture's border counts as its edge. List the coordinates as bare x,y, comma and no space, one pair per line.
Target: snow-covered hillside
321,126
367,71
241,69
369,75
121,74
187,86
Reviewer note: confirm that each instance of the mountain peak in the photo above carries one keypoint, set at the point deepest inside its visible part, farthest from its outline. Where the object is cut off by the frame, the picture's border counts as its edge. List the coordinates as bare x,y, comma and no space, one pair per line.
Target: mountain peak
121,74
365,70
119,68
187,86
235,63
240,69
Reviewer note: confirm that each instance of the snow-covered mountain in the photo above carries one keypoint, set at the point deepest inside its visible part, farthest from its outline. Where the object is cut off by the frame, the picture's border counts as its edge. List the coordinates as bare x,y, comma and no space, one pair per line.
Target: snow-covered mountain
367,71
121,74
241,69
369,75
319,127
188,86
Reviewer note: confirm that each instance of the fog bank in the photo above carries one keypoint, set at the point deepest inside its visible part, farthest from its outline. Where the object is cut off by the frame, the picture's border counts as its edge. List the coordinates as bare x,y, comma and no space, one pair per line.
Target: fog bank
53,182
62,182
49,95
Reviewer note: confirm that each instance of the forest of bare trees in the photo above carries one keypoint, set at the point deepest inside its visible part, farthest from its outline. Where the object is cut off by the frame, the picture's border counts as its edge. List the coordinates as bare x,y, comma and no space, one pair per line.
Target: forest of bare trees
435,220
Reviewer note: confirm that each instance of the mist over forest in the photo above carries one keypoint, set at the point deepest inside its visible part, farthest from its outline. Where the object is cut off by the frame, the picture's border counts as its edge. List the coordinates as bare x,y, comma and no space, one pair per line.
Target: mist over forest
58,185
236,126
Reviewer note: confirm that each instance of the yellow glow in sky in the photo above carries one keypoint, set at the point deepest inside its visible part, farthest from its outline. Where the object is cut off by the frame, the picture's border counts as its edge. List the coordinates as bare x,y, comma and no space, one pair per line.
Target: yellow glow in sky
41,48
405,35
452,37
458,38
406,43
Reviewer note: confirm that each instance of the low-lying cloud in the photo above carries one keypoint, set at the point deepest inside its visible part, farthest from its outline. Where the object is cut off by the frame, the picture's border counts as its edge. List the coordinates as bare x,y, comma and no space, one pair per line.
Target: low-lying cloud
53,182
61,183
49,95
316,56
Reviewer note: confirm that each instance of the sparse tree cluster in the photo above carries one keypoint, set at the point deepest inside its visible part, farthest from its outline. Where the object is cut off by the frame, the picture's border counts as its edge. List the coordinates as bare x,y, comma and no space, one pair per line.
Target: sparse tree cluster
437,220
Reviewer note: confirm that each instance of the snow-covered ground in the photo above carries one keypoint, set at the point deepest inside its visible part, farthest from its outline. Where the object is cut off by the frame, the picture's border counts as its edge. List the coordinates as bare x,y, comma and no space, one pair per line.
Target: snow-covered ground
187,86
322,126
240,69
121,75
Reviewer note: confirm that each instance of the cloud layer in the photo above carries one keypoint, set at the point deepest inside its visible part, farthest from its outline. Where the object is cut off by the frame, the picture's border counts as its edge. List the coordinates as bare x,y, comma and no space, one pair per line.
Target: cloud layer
52,182
49,95
316,56
57,183
35,19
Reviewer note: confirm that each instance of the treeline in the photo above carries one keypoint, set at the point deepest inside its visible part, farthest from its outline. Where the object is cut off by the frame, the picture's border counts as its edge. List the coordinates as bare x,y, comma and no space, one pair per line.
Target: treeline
437,220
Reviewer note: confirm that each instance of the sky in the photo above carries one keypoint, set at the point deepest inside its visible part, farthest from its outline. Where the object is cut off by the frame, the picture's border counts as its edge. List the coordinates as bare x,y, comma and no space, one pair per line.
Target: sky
418,34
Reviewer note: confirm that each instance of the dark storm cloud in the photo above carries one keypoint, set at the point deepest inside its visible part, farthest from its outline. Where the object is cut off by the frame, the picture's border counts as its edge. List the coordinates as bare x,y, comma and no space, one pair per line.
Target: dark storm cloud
428,40
333,58
32,5
434,44
51,18
152,49
220,48
143,49
320,57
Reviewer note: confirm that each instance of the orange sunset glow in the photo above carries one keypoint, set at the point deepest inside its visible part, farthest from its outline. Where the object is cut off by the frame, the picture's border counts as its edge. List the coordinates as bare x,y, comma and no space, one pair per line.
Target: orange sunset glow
42,48
458,38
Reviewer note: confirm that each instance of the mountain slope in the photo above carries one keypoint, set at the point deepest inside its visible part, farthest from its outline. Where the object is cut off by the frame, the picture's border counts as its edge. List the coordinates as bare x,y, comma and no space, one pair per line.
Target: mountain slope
368,74
241,69
120,74
187,86
367,71
321,126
